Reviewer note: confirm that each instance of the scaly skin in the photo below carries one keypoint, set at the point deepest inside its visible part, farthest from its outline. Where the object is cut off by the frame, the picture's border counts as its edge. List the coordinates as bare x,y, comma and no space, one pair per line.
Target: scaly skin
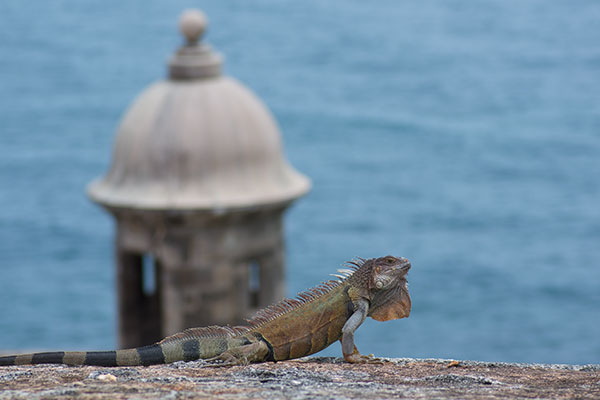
290,329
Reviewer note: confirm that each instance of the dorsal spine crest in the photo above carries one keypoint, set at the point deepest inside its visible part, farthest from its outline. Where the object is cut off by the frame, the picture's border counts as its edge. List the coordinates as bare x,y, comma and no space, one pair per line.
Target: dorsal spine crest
286,305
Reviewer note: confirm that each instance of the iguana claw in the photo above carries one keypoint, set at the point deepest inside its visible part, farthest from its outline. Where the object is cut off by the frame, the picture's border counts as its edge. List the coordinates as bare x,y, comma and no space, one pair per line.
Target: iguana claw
227,359
357,358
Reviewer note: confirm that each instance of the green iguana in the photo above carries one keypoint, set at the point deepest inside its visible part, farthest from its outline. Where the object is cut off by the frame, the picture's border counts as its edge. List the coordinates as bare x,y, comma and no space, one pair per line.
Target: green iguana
290,329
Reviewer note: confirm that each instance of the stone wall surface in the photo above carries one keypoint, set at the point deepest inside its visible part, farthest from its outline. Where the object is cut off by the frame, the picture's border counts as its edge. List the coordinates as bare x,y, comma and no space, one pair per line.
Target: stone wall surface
322,378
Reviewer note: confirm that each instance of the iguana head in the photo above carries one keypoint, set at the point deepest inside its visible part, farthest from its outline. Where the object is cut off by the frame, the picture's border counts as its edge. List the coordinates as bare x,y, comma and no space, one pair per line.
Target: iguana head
388,288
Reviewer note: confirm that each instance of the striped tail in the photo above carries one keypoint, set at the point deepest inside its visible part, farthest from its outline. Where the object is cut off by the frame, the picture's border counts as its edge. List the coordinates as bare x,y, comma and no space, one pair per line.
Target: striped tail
146,355
188,345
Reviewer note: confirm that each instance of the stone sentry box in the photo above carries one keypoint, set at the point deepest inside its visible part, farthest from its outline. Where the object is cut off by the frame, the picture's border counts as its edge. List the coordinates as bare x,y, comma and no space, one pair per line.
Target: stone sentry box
198,186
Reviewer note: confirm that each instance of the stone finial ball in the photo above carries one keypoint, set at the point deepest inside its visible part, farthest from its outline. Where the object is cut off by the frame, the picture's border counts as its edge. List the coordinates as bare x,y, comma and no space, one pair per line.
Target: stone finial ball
192,24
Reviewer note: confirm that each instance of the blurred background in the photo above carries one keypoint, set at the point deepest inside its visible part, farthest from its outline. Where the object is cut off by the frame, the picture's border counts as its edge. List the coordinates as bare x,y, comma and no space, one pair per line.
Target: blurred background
465,137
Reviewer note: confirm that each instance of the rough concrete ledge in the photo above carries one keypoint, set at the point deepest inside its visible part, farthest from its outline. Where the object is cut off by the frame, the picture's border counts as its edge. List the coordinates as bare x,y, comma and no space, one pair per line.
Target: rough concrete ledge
315,377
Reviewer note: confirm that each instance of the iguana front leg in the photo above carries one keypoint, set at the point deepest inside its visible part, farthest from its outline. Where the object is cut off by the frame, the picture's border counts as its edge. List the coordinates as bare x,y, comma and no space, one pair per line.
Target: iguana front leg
351,353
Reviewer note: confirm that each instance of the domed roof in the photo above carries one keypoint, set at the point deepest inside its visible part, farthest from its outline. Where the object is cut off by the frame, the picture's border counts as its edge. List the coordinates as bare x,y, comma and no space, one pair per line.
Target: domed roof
199,141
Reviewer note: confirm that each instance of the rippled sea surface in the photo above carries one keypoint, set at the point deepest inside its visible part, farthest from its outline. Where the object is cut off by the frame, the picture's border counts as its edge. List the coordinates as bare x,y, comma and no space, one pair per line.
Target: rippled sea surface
465,137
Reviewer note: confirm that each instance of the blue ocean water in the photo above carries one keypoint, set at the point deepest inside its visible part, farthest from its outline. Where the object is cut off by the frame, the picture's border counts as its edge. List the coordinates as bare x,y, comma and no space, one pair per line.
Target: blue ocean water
464,136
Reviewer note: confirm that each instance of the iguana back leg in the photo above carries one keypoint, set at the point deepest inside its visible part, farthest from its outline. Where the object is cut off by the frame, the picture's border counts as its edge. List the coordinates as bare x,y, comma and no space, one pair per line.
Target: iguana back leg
243,355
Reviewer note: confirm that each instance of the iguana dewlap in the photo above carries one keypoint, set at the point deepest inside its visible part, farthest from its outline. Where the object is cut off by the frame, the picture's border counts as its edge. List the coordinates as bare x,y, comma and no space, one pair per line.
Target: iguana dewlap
290,329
